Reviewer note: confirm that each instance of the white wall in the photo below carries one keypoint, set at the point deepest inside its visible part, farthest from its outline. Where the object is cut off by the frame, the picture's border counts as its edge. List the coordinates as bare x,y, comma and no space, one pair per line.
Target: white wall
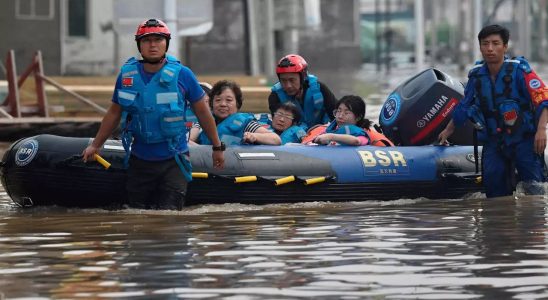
93,54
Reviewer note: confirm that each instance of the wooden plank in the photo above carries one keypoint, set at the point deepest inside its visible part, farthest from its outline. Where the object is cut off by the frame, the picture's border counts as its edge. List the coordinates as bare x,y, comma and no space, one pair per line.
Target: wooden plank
13,88
39,83
5,113
83,99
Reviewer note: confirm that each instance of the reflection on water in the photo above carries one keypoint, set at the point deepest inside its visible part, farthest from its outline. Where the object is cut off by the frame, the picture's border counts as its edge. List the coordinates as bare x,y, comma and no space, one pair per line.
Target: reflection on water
419,249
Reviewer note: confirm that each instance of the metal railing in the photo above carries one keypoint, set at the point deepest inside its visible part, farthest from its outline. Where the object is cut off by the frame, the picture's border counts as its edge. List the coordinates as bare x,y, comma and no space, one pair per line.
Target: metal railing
12,103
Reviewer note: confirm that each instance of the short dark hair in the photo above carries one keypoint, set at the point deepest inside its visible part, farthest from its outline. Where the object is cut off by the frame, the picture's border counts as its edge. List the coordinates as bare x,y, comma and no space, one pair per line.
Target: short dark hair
290,107
222,85
495,29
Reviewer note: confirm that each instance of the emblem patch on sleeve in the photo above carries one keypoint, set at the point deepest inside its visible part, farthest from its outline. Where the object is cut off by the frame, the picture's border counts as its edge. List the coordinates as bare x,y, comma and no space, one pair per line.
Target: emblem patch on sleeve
127,81
534,84
539,95
536,88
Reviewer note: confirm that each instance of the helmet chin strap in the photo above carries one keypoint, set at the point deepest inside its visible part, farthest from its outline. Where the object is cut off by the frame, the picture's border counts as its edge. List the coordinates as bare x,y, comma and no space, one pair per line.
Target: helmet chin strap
153,62
300,93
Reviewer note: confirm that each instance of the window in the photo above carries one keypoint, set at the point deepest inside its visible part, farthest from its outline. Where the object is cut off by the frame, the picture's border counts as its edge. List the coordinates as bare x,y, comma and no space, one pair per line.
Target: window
34,9
77,18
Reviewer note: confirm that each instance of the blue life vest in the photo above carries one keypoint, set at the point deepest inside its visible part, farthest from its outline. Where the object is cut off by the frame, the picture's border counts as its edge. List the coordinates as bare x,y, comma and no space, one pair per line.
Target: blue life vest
230,130
157,108
293,134
190,116
313,111
501,110
346,129
264,119
153,112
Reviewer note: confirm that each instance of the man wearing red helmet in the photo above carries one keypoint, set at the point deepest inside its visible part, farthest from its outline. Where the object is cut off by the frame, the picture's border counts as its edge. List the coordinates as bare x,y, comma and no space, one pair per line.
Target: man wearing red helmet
150,99
313,98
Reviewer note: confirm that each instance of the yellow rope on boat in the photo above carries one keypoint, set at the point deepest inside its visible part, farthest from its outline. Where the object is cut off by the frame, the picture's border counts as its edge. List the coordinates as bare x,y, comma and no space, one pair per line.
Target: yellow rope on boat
314,180
199,175
245,179
479,179
102,161
284,180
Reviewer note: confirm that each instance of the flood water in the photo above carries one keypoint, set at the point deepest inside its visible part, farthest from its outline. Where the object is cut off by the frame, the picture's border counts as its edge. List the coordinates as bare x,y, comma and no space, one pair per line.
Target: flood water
470,248
405,249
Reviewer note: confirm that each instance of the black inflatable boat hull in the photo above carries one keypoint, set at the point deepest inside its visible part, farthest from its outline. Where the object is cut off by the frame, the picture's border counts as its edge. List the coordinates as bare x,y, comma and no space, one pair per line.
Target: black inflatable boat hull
48,170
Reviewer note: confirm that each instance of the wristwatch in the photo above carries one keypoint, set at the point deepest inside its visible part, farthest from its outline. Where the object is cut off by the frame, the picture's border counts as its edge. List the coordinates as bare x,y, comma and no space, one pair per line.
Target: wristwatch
219,148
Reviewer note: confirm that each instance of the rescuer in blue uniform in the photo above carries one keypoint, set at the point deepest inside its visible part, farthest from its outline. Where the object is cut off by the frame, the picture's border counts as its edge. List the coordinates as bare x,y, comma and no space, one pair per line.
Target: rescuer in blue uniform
508,103
150,99
313,98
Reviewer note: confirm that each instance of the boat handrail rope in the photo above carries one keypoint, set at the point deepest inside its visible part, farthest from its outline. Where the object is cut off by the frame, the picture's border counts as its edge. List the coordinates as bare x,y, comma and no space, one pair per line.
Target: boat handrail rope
284,180
200,175
102,161
314,180
254,178
243,179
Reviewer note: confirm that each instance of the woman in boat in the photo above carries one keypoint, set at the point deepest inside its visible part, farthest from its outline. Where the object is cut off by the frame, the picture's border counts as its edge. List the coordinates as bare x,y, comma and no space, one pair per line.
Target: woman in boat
284,123
234,127
347,128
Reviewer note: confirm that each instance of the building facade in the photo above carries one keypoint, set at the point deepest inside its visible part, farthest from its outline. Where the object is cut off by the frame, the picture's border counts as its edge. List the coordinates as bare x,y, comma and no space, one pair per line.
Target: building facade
77,37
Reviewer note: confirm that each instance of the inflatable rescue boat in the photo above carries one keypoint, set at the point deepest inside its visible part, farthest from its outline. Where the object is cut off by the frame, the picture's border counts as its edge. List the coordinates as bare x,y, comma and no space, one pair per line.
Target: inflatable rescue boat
48,169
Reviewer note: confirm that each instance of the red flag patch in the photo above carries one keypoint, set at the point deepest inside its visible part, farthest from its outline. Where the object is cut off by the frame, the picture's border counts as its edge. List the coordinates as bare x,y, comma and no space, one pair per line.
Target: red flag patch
510,117
127,81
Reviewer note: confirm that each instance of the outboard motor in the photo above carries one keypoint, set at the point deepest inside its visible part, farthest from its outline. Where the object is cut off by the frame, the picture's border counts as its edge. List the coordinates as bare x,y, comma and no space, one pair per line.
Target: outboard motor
420,108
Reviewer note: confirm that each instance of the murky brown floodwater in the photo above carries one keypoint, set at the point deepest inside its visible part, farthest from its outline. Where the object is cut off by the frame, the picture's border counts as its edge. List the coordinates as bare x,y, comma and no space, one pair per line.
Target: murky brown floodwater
406,249
420,249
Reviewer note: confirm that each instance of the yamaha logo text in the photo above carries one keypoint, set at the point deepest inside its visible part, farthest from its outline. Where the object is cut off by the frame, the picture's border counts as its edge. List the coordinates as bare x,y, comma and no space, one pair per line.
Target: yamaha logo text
433,111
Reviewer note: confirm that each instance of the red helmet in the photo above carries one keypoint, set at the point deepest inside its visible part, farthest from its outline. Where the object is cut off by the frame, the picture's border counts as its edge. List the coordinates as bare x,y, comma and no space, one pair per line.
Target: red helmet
292,63
152,26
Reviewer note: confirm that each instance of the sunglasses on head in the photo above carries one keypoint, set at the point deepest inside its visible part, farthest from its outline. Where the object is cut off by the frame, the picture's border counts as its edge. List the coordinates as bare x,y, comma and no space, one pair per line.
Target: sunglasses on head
153,23
286,63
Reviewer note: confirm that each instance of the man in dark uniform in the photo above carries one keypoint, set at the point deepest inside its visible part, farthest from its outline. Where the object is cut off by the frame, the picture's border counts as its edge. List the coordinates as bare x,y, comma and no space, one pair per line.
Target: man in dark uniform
508,102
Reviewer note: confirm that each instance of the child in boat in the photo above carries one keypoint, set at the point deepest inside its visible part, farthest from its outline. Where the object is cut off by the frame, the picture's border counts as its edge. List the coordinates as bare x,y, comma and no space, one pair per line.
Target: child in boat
347,128
285,123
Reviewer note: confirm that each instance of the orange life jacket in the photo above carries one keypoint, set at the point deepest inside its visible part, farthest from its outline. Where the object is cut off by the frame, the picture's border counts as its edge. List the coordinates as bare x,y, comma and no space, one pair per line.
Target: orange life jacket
313,133
376,138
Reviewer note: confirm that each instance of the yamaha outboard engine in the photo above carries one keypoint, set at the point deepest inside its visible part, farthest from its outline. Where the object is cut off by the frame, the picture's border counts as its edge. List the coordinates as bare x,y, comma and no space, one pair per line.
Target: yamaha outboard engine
420,108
